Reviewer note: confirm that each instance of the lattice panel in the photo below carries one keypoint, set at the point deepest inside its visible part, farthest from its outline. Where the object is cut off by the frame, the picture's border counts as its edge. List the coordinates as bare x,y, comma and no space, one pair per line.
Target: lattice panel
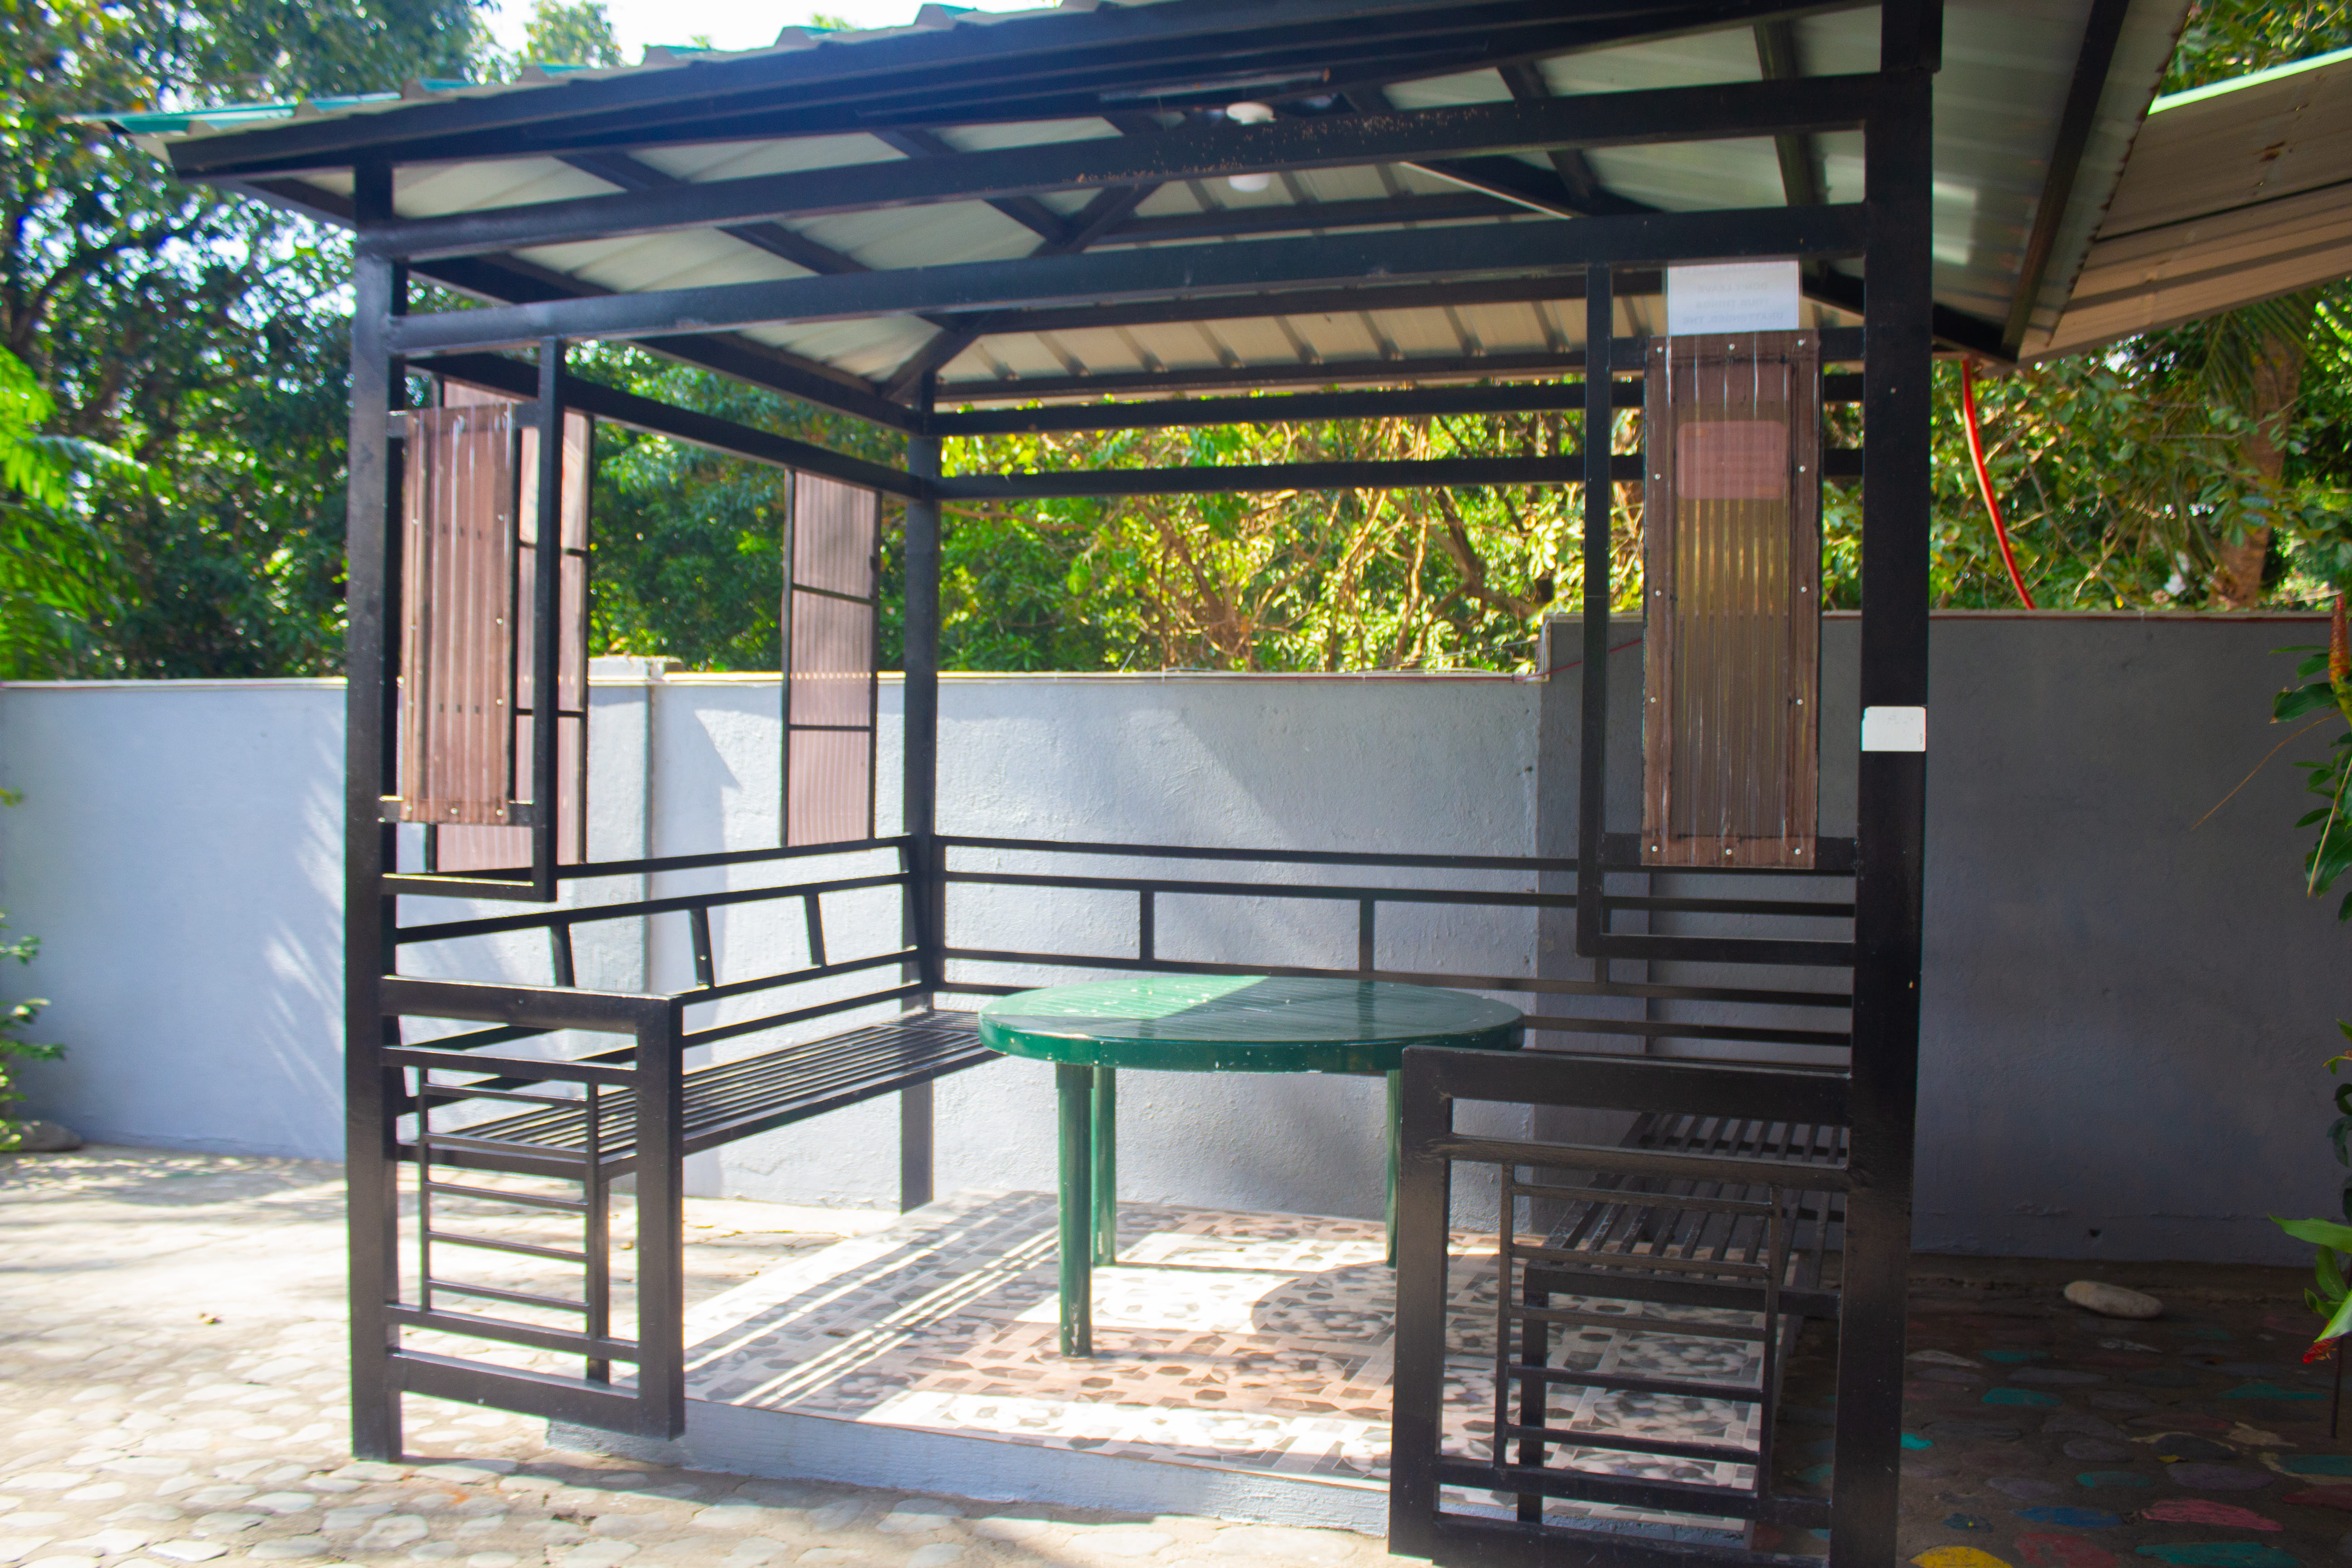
830,623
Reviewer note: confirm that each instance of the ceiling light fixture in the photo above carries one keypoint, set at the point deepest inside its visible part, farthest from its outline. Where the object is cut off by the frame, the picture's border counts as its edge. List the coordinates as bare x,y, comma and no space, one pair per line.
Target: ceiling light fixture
1250,114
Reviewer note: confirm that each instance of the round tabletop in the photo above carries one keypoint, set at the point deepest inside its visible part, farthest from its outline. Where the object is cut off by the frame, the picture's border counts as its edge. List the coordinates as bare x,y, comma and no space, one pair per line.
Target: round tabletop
1244,1023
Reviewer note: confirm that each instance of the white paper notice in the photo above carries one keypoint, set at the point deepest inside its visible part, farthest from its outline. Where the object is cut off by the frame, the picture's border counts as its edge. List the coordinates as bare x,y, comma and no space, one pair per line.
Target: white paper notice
1738,296
1895,729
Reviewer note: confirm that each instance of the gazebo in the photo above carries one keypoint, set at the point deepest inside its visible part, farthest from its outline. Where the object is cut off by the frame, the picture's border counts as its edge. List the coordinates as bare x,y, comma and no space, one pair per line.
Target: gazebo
1728,215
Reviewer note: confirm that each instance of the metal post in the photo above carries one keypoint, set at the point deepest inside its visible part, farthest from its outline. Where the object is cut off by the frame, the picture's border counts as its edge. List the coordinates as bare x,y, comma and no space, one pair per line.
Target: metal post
1893,798
372,1092
1420,1284
926,898
661,1218
1593,774
546,607
1075,1086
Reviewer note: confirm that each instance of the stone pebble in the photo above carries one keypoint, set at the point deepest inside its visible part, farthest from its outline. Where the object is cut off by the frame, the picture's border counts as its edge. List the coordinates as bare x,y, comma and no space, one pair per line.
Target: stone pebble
2113,1300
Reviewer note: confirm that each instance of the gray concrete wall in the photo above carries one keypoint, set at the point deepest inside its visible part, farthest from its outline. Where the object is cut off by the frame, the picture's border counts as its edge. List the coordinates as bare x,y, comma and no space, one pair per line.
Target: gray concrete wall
2125,1017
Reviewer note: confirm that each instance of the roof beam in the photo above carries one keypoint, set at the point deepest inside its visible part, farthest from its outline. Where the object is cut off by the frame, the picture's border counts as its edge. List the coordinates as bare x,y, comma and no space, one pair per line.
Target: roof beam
1838,344
1395,402
1526,80
1069,61
1777,58
508,281
1308,302
517,378
2092,62
1183,271
1227,223
1193,152
1226,479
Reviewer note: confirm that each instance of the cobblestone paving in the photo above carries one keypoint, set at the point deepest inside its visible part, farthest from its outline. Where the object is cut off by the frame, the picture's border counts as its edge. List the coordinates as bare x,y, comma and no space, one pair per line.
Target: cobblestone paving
172,1393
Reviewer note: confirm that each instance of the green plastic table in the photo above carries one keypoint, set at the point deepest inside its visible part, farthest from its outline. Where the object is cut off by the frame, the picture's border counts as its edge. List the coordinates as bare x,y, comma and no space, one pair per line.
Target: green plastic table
1224,1023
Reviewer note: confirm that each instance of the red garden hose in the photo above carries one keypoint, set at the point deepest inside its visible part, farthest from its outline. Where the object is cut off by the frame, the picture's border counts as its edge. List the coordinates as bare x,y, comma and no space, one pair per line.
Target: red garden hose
1984,482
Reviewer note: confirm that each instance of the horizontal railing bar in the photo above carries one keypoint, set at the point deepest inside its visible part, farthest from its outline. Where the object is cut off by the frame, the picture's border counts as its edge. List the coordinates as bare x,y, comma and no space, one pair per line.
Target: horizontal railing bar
1604,1258
468,1144
1668,1028
1628,1197
450,931
557,1069
594,1347
660,864
1627,1443
1401,976
1768,951
472,1038
483,1091
569,1399
1497,899
1593,1485
770,982
1569,1317
1639,1162
492,1194
1276,857
515,1297
494,1244
1670,903
778,1020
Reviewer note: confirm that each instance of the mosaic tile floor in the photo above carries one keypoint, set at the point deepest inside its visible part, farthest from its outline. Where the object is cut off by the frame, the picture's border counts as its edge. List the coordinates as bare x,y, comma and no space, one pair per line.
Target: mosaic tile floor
2039,1436
1249,1341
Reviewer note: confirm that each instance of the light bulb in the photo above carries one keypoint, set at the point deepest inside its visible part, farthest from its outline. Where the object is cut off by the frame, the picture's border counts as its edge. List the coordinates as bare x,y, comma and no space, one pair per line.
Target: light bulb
1249,182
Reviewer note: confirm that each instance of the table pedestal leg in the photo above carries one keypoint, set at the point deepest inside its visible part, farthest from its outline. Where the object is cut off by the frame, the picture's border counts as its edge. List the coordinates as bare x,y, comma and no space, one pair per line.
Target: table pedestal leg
1105,1172
1396,1124
1075,1084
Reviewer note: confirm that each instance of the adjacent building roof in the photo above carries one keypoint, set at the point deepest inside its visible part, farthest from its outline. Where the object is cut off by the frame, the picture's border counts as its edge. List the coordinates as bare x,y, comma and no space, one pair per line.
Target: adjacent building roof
2234,192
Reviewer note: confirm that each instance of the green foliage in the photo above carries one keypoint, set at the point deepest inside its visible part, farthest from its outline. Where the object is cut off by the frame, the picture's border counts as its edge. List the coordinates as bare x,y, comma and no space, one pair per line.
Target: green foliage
575,34
13,1020
2226,38
2331,1297
201,334
57,574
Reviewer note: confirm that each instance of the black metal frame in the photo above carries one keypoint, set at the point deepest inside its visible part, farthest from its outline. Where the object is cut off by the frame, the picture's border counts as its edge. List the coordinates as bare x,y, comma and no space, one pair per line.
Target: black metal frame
1327,64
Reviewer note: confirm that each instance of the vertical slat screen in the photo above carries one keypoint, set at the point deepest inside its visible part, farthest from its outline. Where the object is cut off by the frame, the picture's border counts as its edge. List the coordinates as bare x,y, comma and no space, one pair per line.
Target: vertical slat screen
1732,580
829,630
456,664
497,509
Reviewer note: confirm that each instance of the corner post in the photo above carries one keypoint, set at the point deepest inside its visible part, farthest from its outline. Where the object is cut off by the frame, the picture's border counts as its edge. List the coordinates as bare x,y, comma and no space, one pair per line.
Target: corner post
546,631
659,1092
1599,488
927,893
373,1097
1892,825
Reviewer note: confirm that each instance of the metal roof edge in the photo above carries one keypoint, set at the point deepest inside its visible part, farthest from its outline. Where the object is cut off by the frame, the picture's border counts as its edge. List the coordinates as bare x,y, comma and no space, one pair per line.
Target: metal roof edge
2240,83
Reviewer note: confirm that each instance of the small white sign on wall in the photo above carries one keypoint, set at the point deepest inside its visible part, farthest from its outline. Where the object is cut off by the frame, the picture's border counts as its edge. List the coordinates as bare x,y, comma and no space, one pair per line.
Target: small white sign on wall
1895,729
1736,297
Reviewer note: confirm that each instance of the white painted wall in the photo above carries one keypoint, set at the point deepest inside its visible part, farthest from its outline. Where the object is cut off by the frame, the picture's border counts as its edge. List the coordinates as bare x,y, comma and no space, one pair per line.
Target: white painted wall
2125,1015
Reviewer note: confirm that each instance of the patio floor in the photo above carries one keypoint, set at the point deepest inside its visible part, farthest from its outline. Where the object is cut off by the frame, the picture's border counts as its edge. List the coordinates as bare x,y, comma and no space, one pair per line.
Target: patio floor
1246,1356
171,1392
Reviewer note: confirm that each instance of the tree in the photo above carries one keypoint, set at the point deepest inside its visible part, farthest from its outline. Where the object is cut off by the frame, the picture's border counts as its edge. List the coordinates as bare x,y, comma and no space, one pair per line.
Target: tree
199,334
578,34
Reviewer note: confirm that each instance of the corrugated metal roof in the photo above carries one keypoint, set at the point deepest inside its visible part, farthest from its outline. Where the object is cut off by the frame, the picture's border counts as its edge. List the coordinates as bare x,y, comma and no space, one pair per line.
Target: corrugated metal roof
2238,192
2008,67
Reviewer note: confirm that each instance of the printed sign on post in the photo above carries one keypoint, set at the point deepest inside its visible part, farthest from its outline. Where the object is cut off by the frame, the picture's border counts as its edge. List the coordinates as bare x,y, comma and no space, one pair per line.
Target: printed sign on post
1736,296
